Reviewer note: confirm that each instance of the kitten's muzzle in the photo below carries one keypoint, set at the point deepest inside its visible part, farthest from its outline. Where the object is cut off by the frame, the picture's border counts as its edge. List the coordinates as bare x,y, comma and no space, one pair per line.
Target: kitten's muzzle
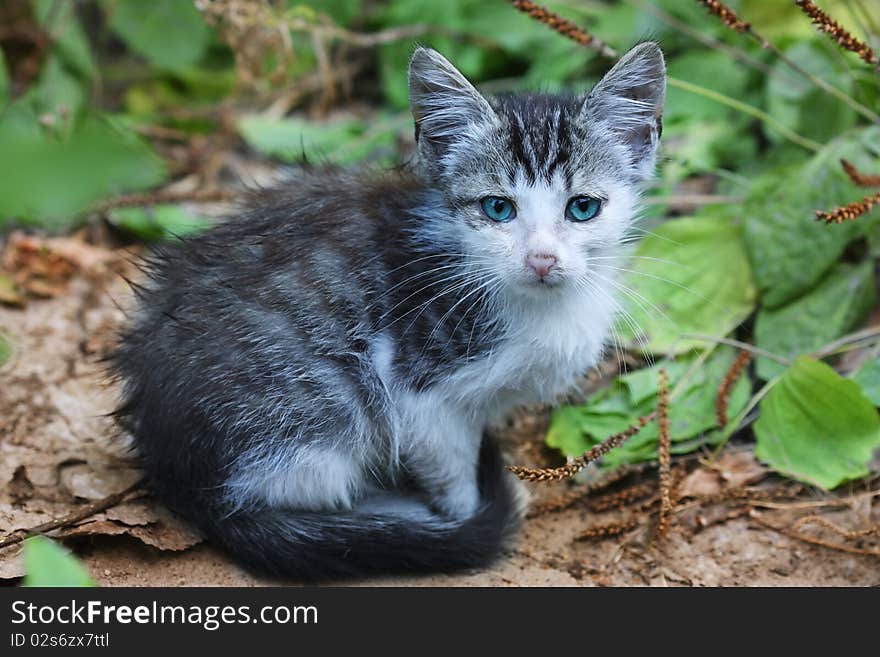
541,263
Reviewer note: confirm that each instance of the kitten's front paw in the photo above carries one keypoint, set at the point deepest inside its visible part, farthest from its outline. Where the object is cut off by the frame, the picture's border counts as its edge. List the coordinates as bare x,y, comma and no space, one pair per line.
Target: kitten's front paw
460,502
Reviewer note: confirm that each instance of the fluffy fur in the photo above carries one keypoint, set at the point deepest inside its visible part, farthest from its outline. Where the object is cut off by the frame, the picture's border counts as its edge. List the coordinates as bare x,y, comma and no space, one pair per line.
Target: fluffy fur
309,383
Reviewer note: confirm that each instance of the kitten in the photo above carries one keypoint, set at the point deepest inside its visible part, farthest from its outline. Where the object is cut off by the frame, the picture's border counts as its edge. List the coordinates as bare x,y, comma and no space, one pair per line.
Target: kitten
309,384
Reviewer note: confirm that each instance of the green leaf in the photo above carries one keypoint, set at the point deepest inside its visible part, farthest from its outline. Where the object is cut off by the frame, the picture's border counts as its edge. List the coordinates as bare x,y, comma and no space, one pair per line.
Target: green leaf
158,222
50,181
5,349
795,102
834,307
48,564
574,429
816,426
711,69
868,377
4,80
69,40
696,273
170,34
789,250
339,142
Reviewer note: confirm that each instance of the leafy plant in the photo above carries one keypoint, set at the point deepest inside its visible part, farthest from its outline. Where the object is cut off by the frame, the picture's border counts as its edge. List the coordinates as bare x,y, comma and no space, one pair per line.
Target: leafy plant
46,563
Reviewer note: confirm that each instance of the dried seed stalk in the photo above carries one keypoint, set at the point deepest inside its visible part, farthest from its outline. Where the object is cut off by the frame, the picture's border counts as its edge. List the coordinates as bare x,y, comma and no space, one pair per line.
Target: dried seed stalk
576,465
850,211
573,496
727,15
859,178
608,530
839,34
623,497
837,529
663,447
564,26
721,400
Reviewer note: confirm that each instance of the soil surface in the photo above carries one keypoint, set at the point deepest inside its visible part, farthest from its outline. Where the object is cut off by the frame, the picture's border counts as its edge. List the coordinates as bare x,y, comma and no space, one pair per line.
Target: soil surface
59,452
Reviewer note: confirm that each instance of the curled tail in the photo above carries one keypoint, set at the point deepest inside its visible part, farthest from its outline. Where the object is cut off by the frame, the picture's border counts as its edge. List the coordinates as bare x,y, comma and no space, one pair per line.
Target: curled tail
318,546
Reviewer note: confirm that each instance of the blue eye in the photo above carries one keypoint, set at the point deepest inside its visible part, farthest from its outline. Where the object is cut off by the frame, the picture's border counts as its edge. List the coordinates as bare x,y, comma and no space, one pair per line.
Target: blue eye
582,208
498,209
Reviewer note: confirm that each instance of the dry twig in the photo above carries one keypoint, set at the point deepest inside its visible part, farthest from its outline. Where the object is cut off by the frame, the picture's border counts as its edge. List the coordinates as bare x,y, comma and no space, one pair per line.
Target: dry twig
78,516
785,531
837,529
731,377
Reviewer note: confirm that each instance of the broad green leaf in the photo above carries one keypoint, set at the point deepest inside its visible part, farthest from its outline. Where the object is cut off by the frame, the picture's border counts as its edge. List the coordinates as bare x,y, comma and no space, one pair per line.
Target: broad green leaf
574,429
868,377
158,222
49,181
338,142
816,426
795,102
69,40
48,564
837,305
691,275
789,250
712,69
170,34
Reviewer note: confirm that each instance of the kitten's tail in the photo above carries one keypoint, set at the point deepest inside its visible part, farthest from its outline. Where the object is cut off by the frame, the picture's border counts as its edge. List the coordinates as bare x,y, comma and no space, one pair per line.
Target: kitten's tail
318,546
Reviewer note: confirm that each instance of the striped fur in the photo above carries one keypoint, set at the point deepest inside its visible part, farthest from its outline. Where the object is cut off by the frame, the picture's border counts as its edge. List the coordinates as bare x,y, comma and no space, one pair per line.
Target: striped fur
309,382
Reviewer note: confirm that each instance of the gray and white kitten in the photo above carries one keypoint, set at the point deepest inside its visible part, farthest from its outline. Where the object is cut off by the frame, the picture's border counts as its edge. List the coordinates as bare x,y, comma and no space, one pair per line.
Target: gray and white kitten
309,383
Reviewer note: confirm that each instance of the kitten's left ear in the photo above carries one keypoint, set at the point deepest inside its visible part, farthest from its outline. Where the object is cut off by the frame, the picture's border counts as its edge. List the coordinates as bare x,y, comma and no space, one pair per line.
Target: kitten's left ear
629,101
443,103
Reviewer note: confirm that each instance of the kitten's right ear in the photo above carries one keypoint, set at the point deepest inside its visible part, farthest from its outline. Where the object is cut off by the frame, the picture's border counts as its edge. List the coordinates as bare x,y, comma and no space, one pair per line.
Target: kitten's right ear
629,100
443,103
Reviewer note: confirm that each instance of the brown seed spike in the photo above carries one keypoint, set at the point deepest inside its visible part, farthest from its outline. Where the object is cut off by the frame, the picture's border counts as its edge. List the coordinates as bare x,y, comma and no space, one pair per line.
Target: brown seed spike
726,14
859,178
663,450
564,26
848,212
838,34
721,400
576,465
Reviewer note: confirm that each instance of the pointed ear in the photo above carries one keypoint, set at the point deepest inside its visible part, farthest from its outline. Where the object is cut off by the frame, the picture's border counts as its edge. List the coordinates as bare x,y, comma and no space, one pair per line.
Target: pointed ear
629,101
443,103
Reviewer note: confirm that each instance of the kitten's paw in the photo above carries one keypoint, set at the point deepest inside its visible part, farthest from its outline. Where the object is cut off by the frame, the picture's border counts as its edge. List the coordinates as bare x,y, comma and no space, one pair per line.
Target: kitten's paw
460,502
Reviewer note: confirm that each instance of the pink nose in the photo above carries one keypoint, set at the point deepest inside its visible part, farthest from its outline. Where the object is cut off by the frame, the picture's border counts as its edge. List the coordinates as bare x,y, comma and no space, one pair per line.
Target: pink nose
542,263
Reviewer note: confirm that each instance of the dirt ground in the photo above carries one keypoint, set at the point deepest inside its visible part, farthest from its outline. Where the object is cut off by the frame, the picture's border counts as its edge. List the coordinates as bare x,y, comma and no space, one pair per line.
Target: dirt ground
59,452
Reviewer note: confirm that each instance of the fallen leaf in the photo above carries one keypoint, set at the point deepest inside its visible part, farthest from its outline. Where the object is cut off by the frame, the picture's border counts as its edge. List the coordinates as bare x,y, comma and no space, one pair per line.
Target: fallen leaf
9,293
90,482
702,482
740,469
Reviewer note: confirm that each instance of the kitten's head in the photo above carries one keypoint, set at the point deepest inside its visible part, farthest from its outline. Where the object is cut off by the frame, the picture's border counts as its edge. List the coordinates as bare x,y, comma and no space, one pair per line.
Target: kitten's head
538,184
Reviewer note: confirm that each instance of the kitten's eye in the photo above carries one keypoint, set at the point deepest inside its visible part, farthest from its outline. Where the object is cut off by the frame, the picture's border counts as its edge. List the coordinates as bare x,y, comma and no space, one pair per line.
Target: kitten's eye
582,208
498,209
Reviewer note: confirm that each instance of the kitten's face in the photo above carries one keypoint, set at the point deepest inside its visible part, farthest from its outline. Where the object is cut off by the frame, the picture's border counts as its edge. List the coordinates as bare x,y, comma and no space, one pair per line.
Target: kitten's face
541,186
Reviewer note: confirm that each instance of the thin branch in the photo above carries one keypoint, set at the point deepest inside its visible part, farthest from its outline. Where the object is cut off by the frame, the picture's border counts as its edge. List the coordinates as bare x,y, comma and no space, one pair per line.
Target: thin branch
859,178
86,512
